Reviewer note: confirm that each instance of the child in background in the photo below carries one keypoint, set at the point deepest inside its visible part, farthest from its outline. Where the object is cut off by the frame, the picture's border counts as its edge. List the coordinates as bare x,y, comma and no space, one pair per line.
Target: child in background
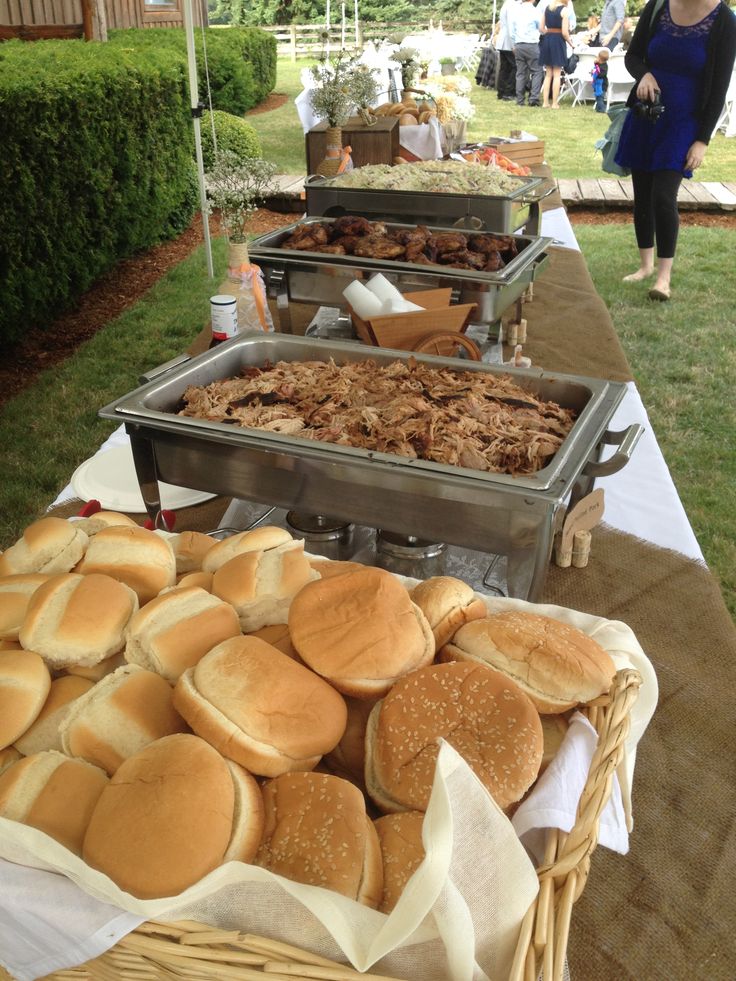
599,74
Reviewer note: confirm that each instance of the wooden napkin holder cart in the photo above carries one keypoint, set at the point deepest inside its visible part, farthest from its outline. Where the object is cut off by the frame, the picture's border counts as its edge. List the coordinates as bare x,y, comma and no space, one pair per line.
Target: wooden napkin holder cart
406,330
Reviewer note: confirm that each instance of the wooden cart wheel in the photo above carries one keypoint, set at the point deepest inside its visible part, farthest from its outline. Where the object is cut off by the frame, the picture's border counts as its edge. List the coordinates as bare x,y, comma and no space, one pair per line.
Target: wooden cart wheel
447,344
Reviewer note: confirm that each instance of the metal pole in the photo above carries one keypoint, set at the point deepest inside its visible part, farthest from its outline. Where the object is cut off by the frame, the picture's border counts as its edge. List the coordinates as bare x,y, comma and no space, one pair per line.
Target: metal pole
196,116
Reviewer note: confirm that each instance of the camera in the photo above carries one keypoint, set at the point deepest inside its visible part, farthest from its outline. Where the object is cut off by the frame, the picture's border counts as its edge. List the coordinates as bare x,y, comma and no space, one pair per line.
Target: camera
651,109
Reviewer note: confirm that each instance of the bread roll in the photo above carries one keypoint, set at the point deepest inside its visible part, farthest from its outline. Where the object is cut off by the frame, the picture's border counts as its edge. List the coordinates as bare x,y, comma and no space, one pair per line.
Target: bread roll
261,585
124,712
75,619
201,579
137,557
407,119
278,636
173,631
248,816
256,540
554,729
260,708
190,548
361,631
50,792
49,545
347,759
402,851
10,645
166,818
490,722
15,595
24,685
557,665
97,672
44,733
327,568
447,603
104,519
317,832
8,756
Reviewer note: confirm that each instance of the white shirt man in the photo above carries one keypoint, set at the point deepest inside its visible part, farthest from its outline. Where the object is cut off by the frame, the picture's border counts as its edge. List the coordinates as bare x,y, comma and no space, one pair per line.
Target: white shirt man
524,24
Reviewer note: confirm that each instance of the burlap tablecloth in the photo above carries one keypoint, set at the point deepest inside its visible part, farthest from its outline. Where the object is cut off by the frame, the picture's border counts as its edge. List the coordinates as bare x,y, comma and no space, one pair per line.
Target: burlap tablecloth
666,910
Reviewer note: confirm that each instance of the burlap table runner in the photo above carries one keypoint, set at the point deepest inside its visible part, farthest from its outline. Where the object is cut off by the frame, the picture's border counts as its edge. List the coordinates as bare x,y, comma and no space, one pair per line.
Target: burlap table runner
667,909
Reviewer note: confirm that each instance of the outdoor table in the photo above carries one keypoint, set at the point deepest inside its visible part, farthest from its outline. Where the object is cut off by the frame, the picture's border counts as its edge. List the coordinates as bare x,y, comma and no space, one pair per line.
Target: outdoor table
664,910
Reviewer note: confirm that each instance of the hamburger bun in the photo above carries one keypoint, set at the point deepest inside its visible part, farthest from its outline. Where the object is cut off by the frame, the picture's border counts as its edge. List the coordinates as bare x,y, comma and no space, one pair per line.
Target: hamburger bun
347,759
201,579
50,792
256,540
97,672
15,595
327,568
361,631
491,723
408,119
190,548
44,733
259,708
554,729
278,636
10,645
124,712
167,818
173,631
557,665
448,604
8,756
104,519
49,545
402,851
24,686
135,556
75,619
260,585
317,832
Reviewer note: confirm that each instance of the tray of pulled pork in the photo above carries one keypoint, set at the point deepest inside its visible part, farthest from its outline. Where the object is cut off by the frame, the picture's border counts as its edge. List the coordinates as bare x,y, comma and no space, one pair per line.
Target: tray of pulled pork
459,452
313,260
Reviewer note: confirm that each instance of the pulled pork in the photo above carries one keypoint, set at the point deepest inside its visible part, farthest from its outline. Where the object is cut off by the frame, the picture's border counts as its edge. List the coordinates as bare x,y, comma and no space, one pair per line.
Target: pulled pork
465,419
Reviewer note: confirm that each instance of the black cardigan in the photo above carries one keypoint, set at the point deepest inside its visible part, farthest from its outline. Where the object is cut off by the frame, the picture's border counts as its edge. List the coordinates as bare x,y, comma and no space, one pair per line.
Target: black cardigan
718,68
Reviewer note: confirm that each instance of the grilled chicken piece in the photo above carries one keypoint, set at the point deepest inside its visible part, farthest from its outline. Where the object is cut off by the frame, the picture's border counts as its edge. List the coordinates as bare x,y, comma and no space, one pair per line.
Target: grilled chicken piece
413,236
449,242
494,262
463,258
305,238
333,249
379,247
490,243
350,225
348,242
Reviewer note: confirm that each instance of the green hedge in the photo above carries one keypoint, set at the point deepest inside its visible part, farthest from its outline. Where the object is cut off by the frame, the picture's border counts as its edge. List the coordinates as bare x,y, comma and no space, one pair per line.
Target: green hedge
96,164
234,135
241,61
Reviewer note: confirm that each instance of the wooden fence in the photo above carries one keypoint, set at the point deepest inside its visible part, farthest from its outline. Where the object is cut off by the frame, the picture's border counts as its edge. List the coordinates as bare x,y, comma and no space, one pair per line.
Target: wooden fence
305,40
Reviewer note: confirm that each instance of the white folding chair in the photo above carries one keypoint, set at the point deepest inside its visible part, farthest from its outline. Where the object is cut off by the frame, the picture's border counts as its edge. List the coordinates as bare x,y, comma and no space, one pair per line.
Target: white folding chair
727,119
619,81
579,84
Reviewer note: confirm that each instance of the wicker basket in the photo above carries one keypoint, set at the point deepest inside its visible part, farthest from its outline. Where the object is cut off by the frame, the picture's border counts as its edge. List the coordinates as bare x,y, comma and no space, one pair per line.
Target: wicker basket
191,950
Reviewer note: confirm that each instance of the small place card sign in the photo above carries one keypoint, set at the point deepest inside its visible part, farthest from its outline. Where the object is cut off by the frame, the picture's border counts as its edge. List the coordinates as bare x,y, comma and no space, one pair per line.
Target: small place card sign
580,519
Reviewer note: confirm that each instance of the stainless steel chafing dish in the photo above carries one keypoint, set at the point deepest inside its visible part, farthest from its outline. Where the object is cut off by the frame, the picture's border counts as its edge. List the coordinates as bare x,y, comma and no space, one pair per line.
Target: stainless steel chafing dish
510,212
319,277
515,517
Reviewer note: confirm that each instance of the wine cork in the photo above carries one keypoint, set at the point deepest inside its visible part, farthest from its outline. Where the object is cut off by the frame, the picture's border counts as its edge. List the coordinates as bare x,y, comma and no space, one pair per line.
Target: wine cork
513,330
563,557
528,294
580,549
522,331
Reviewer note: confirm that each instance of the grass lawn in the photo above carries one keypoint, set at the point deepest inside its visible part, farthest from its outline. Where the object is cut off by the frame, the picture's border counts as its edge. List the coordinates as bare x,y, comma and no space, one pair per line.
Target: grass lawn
569,134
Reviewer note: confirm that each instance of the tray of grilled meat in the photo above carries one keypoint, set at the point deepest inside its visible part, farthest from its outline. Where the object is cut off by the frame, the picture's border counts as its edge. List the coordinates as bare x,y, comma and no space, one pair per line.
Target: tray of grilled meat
512,206
312,261
268,418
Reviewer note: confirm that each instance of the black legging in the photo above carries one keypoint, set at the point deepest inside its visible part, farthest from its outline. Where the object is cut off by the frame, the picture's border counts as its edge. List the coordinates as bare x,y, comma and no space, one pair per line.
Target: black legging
655,210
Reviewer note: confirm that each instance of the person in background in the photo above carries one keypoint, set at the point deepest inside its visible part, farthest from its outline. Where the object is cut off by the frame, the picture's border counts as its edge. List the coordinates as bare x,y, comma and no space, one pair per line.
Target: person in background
506,72
627,34
599,74
681,55
553,50
591,35
524,24
612,23
572,21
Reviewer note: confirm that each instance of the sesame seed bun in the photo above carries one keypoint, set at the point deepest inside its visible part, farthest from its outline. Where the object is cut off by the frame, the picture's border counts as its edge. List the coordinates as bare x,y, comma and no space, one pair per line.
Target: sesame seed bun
317,832
402,850
557,665
361,631
490,722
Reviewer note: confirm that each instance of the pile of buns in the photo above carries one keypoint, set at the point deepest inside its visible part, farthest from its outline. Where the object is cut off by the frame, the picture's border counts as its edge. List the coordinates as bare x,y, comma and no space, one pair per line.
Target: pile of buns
408,111
171,703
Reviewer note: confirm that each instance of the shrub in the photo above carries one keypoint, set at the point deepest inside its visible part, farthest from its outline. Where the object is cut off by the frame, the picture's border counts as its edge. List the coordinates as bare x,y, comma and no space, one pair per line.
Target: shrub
241,61
96,164
234,135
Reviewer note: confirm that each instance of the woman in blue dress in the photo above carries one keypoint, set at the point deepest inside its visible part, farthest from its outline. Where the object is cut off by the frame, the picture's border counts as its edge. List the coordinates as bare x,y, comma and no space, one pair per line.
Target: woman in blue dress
681,55
553,50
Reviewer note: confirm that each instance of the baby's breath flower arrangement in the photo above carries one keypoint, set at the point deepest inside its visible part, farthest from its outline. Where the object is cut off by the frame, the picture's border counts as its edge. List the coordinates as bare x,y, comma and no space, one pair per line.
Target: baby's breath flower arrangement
333,96
236,185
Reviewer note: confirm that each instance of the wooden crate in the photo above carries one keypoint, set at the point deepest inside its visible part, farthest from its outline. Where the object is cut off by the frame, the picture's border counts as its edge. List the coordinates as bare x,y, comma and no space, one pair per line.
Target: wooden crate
377,144
528,152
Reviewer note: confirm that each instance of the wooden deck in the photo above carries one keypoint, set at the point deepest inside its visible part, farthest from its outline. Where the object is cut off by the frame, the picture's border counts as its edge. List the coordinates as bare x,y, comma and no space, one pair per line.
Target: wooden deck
604,193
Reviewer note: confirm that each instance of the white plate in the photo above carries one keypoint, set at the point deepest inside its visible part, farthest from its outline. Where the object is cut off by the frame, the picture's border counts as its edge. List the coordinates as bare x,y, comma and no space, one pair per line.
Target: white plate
110,478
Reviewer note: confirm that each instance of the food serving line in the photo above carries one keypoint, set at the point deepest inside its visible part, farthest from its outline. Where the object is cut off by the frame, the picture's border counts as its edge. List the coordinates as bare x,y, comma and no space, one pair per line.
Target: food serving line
654,591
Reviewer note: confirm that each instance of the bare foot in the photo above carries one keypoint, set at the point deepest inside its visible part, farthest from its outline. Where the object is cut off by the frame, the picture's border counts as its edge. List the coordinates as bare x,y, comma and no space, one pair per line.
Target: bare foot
555,107
639,275
660,291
